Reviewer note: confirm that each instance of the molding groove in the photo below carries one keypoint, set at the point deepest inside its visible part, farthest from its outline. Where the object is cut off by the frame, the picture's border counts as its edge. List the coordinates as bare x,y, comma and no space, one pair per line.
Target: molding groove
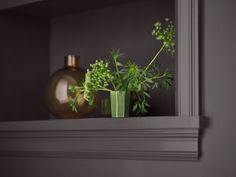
176,142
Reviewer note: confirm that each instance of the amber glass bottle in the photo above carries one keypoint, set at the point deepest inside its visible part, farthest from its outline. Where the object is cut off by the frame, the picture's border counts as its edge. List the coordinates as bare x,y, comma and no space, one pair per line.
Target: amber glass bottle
58,95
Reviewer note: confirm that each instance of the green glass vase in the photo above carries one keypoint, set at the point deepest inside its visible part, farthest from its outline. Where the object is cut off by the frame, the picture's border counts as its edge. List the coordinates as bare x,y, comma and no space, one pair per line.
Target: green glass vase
120,101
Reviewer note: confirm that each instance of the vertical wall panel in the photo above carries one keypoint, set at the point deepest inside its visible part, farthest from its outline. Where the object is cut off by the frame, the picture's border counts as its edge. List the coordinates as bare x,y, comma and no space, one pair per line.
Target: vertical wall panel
24,58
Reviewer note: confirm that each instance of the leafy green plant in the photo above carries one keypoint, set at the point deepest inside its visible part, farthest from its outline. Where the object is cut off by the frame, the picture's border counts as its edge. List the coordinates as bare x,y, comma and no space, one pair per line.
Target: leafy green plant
114,75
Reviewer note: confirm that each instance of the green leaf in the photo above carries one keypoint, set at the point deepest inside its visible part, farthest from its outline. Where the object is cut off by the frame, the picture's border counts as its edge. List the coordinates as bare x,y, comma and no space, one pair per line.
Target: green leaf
146,104
119,64
155,85
149,80
135,107
139,86
146,94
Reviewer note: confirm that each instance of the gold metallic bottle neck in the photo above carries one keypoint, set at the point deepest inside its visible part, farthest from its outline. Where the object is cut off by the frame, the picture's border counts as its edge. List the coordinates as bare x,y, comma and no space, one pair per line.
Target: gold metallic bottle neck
72,61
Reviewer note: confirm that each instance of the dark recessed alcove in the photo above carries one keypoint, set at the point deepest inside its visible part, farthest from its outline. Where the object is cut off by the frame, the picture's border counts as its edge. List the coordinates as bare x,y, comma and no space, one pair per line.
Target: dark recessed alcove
36,36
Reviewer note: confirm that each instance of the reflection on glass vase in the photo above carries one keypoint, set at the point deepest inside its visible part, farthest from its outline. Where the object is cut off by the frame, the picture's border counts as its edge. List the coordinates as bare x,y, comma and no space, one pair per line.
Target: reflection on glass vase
58,95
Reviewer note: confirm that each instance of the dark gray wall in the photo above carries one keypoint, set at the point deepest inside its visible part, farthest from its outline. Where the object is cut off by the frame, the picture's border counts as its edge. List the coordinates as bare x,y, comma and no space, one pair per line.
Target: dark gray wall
24,55
4,4
127,27
218,105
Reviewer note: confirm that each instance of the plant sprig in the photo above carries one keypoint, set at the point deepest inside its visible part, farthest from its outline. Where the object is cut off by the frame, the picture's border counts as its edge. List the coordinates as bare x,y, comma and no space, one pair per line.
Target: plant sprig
141,81
74,102
166,35
129,76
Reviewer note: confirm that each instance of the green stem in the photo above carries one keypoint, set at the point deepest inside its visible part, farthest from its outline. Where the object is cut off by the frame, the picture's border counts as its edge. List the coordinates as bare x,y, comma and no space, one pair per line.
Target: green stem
103,89
159,77
74,103
138,96
117,70
154,58
113,84
155,77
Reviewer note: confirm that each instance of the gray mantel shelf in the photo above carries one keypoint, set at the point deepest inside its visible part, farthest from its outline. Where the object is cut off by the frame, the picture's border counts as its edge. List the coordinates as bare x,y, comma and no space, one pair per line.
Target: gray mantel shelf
149,138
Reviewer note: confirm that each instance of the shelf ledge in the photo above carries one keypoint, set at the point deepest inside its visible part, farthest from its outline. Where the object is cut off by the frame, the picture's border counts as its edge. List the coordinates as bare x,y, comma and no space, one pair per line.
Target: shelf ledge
147,138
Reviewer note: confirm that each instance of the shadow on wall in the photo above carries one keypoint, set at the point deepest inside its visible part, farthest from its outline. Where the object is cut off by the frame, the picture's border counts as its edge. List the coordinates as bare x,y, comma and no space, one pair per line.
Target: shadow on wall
206,120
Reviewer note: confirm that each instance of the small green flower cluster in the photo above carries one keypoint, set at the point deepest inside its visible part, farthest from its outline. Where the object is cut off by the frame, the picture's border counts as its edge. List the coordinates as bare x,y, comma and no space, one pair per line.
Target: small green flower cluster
96,79
166,34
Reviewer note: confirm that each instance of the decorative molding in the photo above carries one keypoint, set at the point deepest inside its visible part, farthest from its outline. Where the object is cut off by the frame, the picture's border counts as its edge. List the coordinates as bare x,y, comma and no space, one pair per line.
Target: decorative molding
188,54
160,138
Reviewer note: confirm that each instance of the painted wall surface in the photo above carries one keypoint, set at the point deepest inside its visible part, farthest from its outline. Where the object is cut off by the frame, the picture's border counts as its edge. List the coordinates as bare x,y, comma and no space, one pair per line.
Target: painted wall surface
126,27
218,100
24,43
4,4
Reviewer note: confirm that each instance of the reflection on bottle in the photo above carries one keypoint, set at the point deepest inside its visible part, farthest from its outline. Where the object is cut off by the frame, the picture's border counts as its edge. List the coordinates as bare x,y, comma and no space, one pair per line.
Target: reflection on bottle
59,96
106,107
